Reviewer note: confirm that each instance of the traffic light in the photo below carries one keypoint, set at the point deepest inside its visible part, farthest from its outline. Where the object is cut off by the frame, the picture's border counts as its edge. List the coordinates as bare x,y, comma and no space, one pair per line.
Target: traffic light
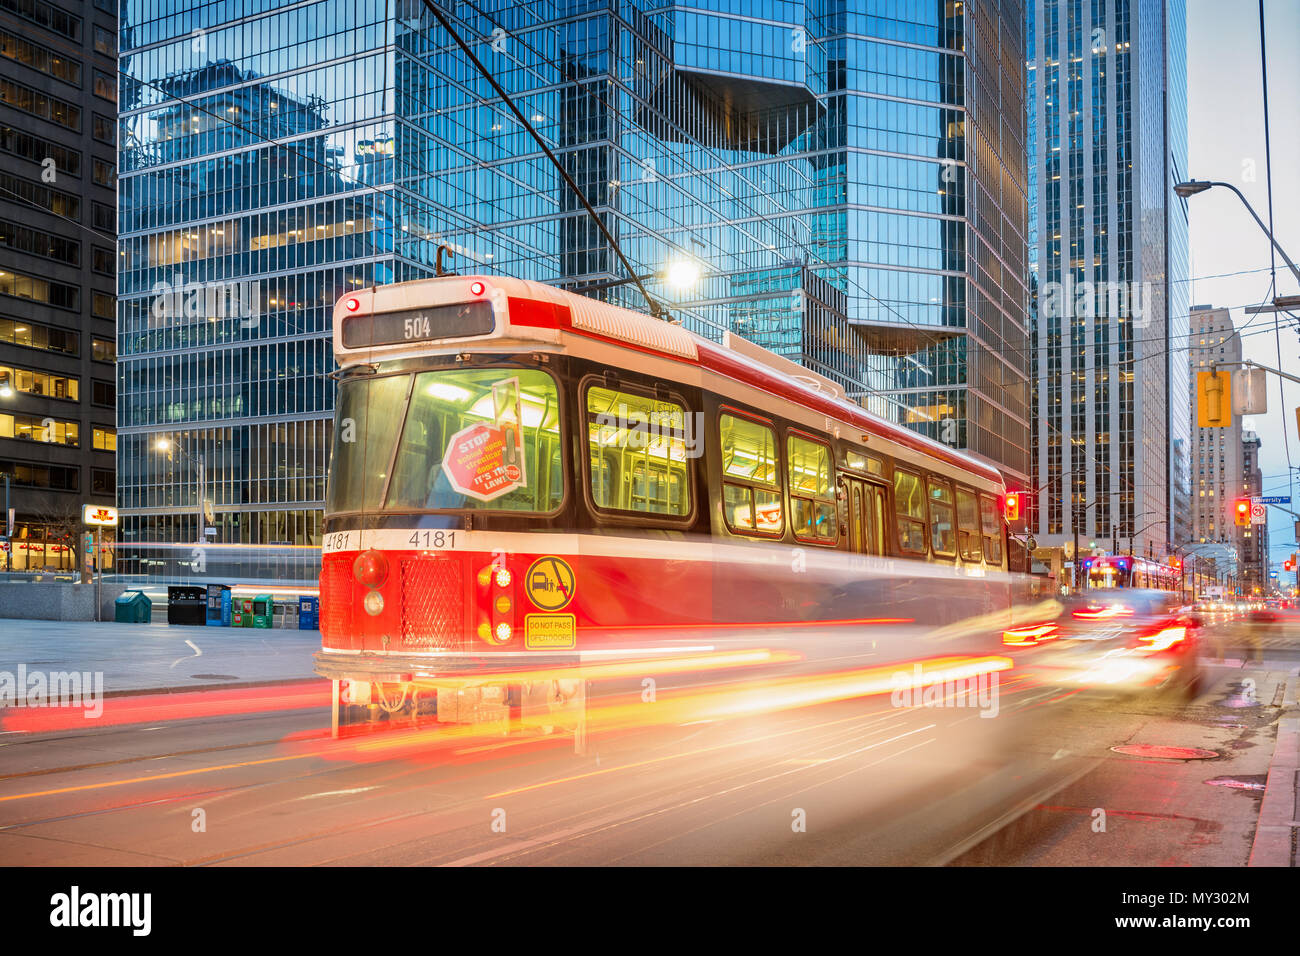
1013,506
1213,399
1241,511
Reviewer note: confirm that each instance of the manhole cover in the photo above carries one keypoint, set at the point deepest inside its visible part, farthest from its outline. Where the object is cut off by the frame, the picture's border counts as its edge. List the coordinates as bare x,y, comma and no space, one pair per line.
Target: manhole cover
214,677
1164,752
1247,782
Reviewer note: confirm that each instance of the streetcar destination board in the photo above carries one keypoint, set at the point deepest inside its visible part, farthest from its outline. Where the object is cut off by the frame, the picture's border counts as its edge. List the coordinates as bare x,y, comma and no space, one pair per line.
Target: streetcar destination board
418,325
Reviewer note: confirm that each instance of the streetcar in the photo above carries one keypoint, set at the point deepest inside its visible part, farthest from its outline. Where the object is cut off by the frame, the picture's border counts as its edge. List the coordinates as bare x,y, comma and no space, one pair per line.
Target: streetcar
523,477
1120,571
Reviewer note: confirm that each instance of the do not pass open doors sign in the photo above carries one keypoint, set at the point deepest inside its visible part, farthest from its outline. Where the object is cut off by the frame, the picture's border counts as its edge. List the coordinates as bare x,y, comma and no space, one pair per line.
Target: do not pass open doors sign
486,460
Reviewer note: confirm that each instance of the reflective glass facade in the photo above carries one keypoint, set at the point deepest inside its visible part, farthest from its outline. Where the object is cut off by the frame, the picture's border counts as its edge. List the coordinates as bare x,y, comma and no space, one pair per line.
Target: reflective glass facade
1108,270
815,159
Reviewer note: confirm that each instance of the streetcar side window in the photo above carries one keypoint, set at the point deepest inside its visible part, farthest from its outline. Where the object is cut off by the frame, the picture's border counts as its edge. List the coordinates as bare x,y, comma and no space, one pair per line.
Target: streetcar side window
992,526
909,508
812,489
637,451
943,531
968,526
751,476
860,461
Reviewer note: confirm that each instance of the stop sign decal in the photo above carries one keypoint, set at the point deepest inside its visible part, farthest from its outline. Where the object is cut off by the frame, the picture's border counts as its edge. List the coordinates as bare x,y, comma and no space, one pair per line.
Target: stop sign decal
485,461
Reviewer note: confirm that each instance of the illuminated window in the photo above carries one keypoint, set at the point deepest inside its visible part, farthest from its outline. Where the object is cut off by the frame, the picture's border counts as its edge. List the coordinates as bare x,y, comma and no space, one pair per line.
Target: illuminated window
751,476
812,489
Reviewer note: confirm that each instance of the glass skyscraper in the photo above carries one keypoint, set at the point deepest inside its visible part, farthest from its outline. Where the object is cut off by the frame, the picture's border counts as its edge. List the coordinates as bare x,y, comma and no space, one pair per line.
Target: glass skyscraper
850,181
1108,268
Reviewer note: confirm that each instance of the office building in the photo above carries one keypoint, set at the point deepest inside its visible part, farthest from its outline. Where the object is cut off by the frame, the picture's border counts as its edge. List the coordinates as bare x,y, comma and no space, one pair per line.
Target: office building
1108,270
1217,479
1254,540
58,109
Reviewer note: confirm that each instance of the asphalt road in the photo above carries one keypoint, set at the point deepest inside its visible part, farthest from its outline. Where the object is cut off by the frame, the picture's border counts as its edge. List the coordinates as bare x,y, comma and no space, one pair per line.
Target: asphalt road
187,781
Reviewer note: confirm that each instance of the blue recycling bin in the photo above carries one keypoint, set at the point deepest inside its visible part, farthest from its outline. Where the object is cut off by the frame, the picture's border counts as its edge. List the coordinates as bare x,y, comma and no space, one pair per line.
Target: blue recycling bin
308,613
218,605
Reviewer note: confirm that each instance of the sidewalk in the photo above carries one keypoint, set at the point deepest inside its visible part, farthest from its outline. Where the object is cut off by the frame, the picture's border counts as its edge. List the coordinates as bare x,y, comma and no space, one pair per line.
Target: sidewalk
1279,812
151,657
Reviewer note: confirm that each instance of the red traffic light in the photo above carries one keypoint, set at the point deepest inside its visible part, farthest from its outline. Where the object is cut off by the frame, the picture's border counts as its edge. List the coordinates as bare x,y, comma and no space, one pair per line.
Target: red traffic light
1242,508
1012,506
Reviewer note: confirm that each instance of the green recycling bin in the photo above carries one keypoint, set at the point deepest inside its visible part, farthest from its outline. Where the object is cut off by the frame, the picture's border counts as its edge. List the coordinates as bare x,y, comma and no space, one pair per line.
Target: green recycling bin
263,610
132,607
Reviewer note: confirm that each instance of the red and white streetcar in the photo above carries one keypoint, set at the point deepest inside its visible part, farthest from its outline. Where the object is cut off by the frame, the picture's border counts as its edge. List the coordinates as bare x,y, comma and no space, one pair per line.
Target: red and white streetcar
525,477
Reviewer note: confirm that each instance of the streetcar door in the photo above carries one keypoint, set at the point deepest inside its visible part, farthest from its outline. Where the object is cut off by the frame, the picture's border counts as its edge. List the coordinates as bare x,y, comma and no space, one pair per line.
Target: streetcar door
866,516
874,518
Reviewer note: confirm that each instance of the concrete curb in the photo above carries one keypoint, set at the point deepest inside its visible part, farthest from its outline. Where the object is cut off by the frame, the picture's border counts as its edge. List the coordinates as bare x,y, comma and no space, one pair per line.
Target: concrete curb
227,685
1279,815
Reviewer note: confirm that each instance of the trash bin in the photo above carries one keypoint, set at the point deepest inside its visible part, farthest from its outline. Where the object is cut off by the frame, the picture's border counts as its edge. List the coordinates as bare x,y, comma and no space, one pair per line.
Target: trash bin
218,605
186,604
263,610
132,607
308,613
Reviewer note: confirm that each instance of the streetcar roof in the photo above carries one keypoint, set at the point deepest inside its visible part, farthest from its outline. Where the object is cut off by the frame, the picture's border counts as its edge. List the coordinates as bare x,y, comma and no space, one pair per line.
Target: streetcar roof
535,312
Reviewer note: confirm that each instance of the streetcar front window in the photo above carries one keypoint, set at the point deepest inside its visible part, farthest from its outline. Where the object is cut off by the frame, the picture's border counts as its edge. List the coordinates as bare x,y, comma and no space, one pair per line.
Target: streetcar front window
485,439
368,416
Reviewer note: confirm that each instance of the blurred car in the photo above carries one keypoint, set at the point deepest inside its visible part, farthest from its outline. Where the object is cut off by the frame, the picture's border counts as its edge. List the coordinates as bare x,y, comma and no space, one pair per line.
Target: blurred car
1122,639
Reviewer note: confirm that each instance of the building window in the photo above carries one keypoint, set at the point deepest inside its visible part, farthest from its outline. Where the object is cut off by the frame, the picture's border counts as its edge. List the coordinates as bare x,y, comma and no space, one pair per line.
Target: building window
104,174
55,200
41,383
105,41
37,150
40,58
41,105
37,242
105,88
46,430
102,350
101,482
104,438
102,260
105,130
29,475
103,393
102,305
22,286
104,219
49,16
33,335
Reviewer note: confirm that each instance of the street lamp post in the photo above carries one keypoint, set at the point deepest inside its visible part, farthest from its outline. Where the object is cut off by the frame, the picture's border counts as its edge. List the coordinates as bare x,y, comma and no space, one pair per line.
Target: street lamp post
1194,186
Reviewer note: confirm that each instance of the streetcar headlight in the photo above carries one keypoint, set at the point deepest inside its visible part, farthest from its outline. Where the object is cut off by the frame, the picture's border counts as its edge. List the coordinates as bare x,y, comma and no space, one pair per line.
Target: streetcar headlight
373,603
503,632
371,568
503,577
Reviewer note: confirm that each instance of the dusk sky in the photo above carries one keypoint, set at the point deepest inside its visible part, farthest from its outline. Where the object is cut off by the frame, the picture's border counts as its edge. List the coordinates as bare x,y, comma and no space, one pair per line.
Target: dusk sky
1226,129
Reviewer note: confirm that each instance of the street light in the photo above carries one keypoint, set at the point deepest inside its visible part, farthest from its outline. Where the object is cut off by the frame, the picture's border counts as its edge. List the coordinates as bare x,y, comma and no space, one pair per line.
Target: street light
1194,186
163,444
683,274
